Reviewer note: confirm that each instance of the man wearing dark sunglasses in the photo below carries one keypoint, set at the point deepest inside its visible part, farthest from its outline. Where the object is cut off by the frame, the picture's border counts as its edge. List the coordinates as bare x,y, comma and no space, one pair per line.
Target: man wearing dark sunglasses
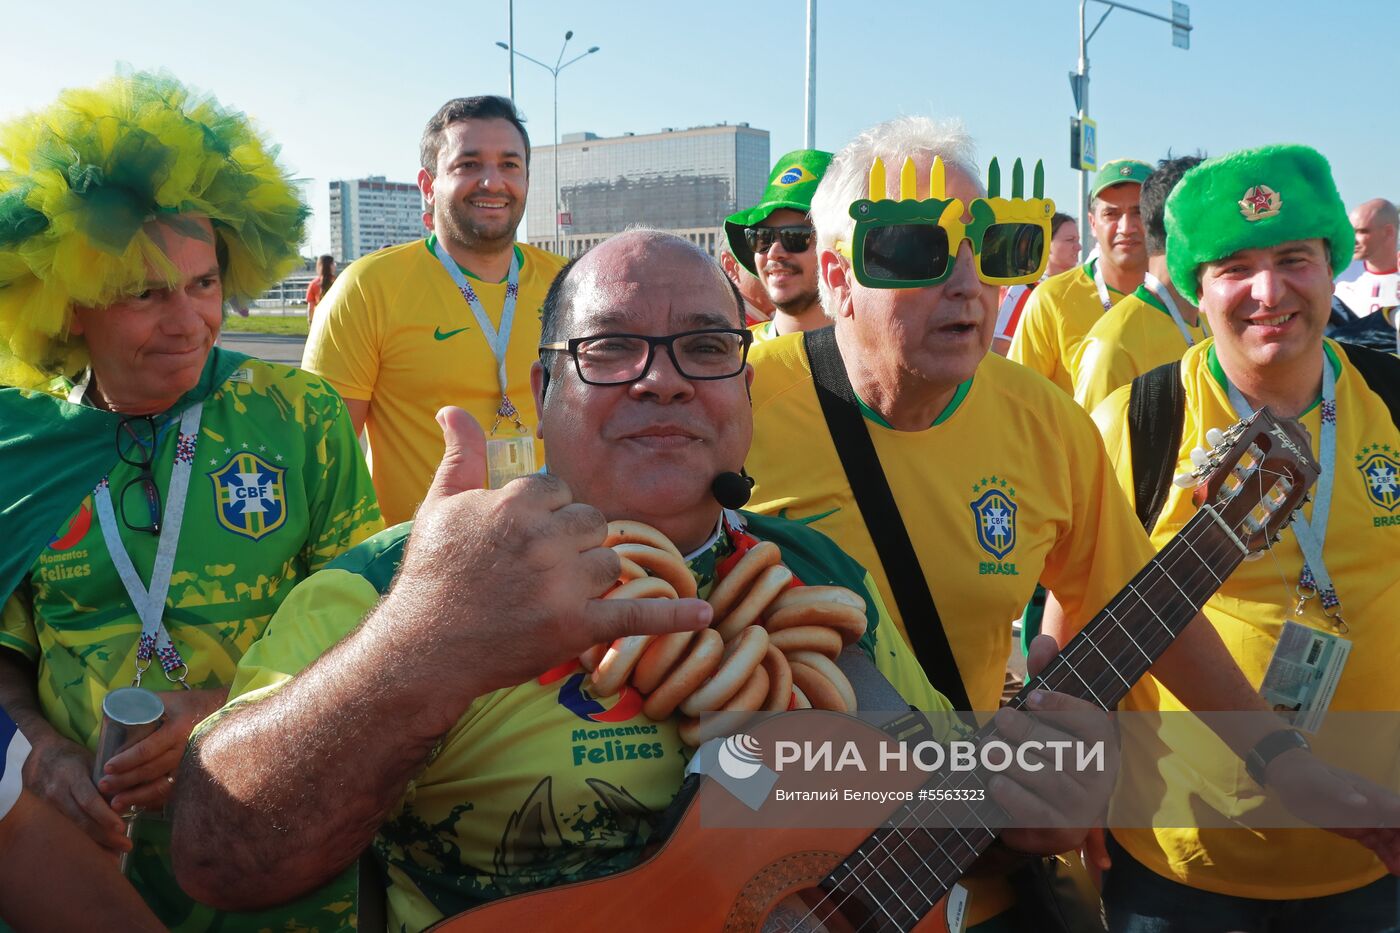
161,496
775,241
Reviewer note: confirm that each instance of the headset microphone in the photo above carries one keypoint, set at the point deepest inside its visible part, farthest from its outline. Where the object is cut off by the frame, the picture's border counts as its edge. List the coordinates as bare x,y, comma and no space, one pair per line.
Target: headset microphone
732,490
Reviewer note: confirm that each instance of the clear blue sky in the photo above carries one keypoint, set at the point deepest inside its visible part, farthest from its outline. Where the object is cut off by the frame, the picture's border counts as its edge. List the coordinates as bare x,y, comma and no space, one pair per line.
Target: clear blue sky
345,88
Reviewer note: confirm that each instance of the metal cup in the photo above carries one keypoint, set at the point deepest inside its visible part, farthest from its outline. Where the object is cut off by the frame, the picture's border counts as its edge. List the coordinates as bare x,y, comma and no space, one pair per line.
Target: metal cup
129,714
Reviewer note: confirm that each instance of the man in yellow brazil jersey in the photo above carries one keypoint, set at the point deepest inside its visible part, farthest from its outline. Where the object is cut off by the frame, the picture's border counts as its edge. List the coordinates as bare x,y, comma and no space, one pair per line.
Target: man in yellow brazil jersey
1254,238
450,320
1063,308
443,717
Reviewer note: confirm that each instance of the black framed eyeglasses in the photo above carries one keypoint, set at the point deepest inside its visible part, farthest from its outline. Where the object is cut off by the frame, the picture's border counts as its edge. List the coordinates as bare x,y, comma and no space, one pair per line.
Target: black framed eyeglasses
796,238
617,359
136,445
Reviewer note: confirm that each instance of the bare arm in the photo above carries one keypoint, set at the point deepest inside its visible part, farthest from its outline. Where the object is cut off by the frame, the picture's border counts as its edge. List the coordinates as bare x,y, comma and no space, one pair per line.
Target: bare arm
494,588
359,412
56,878
57,770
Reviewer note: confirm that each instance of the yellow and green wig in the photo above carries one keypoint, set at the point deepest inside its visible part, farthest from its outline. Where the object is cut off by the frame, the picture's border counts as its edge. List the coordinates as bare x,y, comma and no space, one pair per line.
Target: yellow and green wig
80,180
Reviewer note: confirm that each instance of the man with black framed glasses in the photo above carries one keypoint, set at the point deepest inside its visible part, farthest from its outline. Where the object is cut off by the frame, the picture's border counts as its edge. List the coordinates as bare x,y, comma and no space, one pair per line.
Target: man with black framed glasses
161,495
774,240
641,393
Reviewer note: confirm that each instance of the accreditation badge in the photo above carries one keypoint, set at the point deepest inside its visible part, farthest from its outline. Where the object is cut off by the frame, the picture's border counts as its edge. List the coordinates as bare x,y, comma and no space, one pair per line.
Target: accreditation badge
1304,672
508,458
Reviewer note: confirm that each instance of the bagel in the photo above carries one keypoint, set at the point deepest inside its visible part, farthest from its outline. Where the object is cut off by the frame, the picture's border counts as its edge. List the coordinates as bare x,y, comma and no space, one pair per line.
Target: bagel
751,695
802,595
617,664
818,638
772,581
643,588
829,671
706,653
695,731
740,658
821,692
624,532
658,660
736,583
847,620
661,564
779,680
628,570
799,699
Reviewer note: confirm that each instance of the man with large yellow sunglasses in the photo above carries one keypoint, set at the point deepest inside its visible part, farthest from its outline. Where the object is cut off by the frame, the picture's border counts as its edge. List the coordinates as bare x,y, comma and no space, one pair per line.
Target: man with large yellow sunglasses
998,477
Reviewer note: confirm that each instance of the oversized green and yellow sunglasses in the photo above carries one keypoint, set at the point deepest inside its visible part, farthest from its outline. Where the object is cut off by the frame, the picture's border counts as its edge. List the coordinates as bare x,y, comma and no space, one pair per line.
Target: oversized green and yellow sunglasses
909,243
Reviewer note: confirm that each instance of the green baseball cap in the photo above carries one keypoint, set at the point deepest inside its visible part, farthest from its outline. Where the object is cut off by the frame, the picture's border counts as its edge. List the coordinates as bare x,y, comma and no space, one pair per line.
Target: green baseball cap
791,185
1253,199
1119,172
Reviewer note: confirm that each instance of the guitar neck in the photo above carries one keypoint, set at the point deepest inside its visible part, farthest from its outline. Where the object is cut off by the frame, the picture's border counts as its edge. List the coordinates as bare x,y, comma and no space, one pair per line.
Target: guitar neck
902,870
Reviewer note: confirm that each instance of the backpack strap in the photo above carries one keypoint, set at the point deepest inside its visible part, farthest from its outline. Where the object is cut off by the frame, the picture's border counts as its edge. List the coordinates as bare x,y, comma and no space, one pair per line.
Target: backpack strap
1156,410
878,510
1382,374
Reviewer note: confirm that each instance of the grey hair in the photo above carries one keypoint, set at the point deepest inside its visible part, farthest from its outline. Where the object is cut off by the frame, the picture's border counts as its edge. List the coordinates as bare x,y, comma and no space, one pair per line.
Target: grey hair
847,178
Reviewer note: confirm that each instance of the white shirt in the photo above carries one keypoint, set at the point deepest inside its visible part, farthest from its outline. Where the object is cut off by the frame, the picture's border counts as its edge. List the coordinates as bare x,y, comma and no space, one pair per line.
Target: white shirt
1365,292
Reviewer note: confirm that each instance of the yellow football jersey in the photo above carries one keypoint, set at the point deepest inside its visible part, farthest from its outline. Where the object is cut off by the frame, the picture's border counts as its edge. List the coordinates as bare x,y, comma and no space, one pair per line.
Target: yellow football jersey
1136,336
1057,316
1008,487
1248,612
395,331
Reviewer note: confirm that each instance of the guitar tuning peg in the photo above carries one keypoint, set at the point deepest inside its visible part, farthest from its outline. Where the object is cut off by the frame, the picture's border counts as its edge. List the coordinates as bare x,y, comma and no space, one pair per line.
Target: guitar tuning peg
1199,457
1184,480
1215,437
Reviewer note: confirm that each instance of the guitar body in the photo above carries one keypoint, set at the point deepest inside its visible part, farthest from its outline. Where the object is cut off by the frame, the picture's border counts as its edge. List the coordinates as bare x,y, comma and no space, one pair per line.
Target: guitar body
702,878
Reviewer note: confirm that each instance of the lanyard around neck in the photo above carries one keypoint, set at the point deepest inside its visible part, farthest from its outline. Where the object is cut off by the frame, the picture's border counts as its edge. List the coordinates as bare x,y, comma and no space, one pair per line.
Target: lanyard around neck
498,339
1164,295
1312,535
1102,285
149,602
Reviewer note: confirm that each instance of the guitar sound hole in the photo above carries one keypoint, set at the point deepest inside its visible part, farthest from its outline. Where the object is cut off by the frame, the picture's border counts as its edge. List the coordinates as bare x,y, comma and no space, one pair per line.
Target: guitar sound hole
813,910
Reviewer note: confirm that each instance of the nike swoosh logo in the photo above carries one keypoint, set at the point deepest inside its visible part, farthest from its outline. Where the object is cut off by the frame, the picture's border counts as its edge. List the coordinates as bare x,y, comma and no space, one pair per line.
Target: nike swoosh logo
439,335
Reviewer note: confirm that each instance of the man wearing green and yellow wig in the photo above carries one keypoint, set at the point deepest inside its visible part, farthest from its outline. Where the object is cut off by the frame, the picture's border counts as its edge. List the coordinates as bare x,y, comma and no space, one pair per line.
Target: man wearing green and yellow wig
161,495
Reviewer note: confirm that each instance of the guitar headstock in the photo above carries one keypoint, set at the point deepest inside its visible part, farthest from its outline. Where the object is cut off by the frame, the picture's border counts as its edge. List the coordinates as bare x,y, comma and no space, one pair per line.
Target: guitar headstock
1255,477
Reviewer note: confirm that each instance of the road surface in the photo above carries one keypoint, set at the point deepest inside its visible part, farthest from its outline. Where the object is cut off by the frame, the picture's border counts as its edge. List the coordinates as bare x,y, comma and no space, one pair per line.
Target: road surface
275,348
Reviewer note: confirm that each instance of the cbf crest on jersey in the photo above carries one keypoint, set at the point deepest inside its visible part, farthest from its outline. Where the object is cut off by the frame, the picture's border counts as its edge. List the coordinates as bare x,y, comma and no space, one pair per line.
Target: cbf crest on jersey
1382,474
250,495
994,514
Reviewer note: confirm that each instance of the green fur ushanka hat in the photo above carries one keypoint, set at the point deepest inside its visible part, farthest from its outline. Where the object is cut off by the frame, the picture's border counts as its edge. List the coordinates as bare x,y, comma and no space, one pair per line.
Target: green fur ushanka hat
1253,199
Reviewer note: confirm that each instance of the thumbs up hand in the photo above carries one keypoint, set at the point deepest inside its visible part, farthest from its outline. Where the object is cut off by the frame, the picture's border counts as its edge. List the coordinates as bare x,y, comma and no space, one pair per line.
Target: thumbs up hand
498,586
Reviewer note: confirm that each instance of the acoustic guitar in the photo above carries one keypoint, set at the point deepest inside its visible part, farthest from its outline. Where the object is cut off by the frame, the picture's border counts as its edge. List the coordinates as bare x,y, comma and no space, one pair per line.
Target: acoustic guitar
898,878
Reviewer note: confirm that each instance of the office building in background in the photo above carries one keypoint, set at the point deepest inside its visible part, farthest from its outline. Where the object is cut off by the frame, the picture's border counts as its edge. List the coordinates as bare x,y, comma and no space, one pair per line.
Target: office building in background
370,213
682,181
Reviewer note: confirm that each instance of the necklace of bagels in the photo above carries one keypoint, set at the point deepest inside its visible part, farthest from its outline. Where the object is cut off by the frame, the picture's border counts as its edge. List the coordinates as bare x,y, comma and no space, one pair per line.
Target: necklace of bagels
772,645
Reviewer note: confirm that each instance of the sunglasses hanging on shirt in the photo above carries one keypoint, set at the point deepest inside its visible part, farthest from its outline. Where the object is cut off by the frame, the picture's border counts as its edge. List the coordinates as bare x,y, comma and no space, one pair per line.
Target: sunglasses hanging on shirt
911,243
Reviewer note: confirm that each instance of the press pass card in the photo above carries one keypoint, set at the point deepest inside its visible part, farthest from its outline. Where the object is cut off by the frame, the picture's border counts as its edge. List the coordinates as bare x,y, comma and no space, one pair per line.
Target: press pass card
508,459
1303,673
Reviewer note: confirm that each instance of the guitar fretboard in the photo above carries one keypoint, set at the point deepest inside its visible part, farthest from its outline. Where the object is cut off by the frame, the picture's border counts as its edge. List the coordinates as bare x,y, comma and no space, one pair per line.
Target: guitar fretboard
902,870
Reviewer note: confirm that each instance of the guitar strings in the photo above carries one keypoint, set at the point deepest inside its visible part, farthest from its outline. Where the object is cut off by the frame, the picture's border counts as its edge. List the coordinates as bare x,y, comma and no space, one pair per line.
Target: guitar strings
1063,664
961,781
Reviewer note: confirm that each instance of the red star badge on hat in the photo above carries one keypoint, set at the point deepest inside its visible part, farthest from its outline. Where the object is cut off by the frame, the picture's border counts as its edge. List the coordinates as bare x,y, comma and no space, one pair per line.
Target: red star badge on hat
1259,202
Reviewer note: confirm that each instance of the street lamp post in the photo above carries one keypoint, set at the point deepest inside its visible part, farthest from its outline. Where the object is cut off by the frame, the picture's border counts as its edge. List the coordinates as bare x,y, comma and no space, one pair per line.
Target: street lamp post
558,66
1180,21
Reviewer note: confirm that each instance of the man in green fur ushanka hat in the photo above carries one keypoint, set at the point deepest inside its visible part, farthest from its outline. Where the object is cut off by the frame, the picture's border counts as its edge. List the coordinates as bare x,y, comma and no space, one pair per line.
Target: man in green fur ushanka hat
774,240
1256,238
